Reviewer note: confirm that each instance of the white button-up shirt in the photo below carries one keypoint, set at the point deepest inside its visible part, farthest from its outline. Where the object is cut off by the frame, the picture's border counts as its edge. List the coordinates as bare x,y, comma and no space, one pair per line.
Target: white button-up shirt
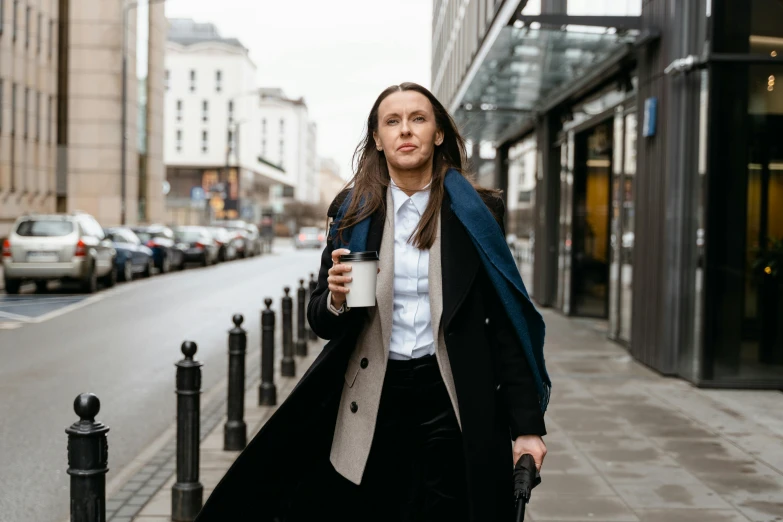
411,334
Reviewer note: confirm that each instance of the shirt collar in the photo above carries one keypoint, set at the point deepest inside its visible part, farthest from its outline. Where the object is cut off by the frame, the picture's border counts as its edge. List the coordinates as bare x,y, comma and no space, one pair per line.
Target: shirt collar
419,199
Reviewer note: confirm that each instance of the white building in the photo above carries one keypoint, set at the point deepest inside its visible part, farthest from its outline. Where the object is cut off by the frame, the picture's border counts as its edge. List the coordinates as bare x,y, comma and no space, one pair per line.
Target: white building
213,127
288,138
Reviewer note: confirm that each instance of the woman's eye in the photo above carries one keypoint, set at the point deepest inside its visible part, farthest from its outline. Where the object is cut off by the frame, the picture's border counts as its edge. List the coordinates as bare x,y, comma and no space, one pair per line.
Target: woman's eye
418,118
391,122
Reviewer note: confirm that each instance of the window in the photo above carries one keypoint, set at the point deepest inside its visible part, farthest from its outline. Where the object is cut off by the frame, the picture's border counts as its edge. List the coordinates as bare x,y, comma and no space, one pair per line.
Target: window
26,111
13,22
218,80
179,110
263,147
263,127
204,137
13,109
230,146
2,86
179,140
282,126
166,76
51,36
230,111
27,13
49,120
282,152
2,15
38,116
192,80
205,110
39,34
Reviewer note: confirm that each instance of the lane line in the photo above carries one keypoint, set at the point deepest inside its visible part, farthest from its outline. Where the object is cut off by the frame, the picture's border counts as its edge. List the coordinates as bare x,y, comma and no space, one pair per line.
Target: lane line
15,317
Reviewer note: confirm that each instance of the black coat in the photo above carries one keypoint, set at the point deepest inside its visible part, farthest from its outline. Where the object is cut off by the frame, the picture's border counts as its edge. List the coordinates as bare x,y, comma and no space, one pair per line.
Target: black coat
286,461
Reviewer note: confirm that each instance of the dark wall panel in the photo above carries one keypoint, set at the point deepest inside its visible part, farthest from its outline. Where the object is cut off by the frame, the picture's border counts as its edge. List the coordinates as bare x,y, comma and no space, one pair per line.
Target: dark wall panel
648,306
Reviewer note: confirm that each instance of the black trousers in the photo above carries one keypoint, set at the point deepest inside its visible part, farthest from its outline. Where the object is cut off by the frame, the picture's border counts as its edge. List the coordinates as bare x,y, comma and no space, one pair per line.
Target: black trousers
416,467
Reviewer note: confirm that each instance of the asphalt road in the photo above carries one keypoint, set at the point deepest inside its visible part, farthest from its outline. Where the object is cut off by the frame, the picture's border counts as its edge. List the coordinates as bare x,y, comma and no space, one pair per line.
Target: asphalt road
120,345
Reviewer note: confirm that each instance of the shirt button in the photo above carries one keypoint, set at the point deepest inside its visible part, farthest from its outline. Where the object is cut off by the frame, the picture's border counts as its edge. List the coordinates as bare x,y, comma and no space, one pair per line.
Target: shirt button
486,321
354,407
364,363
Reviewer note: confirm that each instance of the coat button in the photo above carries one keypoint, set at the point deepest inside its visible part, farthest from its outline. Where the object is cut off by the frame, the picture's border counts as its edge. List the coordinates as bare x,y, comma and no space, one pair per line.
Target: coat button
486,321
364,363
354,407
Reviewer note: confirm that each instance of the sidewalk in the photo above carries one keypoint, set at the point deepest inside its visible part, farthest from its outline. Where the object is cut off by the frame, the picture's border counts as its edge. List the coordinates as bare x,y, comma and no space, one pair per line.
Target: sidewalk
625,444
214,462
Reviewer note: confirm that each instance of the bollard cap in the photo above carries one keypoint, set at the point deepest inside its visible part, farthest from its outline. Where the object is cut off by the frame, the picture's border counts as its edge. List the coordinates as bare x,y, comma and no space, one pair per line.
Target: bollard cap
86,406
189,349
301,283
238,319
286,289
312,276
268,302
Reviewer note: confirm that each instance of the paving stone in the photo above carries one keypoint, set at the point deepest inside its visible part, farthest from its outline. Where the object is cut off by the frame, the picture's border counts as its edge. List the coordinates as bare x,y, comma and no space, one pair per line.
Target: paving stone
579,508
689,515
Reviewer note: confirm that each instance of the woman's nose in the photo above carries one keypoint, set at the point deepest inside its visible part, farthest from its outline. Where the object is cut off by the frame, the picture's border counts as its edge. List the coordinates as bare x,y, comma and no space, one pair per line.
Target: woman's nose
405,130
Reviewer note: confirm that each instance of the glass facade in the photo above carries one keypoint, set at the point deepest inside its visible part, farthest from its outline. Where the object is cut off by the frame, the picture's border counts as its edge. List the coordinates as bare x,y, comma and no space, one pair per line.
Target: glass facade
520,223
743,340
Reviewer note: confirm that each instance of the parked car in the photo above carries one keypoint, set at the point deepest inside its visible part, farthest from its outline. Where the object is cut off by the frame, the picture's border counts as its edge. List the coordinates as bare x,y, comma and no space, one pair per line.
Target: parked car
226,241
201,246
165,251
133,257
249,243
45,247
309,237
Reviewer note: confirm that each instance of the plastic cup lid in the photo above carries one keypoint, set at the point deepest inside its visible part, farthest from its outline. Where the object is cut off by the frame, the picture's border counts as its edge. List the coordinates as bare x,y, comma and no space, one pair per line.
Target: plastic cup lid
359,256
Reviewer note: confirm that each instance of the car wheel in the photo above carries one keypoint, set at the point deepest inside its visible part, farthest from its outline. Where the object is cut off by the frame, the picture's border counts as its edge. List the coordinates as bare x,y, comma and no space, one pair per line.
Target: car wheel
110,279
90,284
41,286
127,271
12,286
148,269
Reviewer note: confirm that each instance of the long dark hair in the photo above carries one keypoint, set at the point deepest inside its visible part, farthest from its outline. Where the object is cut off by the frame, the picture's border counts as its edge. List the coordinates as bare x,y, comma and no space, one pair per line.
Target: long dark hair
371,178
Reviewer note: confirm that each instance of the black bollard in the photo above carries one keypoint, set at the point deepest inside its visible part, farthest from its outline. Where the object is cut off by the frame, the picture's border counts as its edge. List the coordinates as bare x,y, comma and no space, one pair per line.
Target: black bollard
235,430
313,285
288,366
187,494
267,392
87,461
301,335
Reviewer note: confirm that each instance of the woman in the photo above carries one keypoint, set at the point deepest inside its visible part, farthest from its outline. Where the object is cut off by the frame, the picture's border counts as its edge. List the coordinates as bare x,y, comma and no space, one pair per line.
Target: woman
418,407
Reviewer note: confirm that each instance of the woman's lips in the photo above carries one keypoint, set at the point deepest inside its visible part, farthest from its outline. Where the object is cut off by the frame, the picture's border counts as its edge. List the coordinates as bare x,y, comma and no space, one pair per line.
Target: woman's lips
406,147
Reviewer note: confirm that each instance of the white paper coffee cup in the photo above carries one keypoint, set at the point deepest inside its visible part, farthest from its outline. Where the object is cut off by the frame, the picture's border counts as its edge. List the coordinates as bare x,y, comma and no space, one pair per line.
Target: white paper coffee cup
364,272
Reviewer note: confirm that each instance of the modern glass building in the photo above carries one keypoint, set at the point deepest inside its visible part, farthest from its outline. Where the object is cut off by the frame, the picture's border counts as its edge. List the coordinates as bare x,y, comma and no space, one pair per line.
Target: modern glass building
639,145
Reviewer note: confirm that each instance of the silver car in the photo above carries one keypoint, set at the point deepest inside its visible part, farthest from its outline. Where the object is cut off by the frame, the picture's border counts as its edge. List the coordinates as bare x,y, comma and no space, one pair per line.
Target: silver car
58,247
309,237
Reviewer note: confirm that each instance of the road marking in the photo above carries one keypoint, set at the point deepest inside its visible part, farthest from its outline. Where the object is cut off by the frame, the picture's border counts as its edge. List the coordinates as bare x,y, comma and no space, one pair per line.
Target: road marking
10,326
67,309
15,317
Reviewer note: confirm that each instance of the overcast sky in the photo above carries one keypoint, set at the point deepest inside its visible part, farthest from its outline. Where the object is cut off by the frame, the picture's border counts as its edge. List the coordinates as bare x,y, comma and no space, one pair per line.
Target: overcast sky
339,55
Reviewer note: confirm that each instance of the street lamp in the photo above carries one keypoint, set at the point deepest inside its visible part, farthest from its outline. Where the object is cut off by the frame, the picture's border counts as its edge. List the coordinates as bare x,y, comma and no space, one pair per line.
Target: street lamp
123,119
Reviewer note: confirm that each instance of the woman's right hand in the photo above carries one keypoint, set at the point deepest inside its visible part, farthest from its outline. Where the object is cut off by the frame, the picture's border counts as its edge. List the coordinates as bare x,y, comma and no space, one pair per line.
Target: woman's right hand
337,278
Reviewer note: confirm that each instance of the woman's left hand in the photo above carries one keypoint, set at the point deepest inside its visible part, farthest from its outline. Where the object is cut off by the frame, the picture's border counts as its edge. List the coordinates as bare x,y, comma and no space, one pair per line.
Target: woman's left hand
532,444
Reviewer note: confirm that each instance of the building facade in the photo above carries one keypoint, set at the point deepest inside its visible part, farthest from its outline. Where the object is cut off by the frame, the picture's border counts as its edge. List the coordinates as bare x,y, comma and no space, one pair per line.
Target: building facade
28,104
636,145
61,96
288,138
219,165
330,183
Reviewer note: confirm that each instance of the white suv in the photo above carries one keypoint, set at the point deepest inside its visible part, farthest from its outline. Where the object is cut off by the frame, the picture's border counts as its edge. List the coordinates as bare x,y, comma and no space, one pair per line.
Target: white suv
44,247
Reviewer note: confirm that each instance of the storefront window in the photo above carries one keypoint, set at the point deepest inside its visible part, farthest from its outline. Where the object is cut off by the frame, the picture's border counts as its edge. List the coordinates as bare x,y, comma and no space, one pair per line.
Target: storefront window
521,204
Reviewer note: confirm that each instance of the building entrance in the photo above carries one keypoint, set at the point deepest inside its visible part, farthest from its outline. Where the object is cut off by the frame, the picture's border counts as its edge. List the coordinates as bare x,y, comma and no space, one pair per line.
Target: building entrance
591,221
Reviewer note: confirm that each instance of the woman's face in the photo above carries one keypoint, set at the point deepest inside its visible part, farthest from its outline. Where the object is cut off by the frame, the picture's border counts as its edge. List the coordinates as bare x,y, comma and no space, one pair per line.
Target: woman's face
407,132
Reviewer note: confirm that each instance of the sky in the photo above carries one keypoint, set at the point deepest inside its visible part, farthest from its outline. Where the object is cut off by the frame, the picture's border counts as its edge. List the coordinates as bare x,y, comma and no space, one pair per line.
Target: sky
339,55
